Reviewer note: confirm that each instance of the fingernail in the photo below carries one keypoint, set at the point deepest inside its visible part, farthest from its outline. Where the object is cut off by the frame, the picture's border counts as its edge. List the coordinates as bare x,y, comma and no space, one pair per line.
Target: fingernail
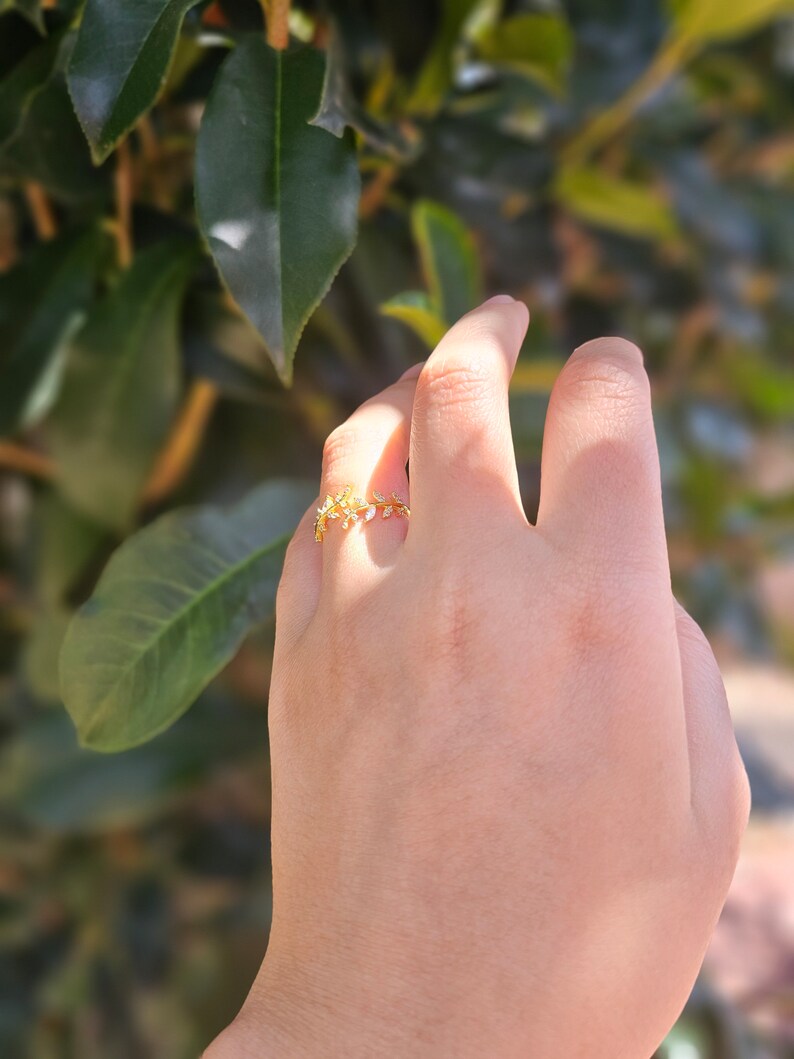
413,372
499,299
609,346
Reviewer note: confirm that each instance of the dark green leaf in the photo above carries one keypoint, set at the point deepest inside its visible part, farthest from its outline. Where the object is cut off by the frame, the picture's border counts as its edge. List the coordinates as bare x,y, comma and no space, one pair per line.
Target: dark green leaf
339,109
19,88
538,46
277,198
52,782
120,387
620,205
170,611
49,147
41,302
449,260
119,64
29,9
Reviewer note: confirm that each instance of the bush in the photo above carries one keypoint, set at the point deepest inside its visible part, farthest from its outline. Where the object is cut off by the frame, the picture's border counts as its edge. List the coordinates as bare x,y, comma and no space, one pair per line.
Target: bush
219,232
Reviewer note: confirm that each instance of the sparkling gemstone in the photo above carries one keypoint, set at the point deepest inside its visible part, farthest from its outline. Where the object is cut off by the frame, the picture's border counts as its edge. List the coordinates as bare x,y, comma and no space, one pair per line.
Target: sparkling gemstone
354,517
387,511
369,513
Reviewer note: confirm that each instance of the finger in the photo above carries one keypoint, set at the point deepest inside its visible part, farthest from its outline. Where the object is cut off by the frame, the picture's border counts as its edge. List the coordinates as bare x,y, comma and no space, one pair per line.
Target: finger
720,792
462,460
600,482
368,452
299,587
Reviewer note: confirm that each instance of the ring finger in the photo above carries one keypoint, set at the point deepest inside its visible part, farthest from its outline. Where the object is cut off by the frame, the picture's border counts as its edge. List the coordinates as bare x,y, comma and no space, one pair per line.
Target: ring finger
368,452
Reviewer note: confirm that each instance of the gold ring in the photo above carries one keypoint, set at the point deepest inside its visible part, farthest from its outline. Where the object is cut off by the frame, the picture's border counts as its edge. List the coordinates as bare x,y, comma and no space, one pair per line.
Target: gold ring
351,509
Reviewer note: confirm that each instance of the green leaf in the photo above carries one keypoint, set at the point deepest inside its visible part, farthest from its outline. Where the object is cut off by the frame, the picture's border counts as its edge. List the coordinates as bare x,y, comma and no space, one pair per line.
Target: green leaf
537,46
698,21
29,9
20,87
416,310
619,205
119,64
41,302
170,610
449,260
65,542
120,386
50,781
49,147
435,77
339,109
277,198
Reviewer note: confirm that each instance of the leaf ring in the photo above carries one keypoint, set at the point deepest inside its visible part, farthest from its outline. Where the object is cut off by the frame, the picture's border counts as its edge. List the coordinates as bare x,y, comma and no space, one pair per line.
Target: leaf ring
351,509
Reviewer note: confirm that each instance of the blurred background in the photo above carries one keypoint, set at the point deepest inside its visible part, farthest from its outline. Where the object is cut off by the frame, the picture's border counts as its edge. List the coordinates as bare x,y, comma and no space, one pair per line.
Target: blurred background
625,167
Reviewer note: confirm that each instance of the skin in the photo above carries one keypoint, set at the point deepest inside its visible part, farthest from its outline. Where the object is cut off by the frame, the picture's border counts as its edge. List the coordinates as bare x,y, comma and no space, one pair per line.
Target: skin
507,798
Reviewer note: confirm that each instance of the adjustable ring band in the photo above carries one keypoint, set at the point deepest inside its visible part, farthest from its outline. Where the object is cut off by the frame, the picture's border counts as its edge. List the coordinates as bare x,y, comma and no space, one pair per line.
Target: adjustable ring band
351,509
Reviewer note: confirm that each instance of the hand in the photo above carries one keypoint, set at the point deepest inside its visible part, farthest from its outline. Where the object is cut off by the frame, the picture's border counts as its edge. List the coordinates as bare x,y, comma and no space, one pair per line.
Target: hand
507,799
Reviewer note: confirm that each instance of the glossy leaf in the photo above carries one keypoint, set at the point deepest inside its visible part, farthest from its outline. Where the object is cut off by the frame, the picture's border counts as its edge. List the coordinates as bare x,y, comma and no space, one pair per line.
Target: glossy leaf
537,46
415,309
41,302
120,63
280,212
120,387
170,610
449,260
619,205
699,21
19,88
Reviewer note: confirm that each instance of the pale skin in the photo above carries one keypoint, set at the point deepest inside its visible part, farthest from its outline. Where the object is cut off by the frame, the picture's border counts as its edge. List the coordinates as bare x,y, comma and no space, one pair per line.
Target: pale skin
507,798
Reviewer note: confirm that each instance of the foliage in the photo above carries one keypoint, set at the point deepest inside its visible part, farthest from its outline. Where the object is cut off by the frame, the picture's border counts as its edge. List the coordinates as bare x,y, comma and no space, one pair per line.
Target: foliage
212,247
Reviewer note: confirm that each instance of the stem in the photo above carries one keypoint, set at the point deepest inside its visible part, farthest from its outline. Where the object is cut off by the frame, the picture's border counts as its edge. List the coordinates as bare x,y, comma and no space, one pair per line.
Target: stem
277,19
180,450
41,211
603,127
26,461
123,180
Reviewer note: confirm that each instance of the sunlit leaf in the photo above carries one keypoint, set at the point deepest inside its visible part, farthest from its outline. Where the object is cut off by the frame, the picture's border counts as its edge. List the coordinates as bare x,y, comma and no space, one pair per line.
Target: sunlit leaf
699,21
119,64
450,262
280,213
120,387
619,205
415,309
537,46
41,301
170,610
435,77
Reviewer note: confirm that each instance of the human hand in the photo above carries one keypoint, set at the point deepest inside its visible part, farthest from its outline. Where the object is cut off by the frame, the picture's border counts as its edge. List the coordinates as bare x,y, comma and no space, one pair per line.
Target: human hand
507,798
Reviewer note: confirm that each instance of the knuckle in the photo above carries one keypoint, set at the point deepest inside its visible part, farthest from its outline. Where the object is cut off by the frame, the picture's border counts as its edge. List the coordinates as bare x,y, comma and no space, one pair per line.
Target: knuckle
339,446
453,383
